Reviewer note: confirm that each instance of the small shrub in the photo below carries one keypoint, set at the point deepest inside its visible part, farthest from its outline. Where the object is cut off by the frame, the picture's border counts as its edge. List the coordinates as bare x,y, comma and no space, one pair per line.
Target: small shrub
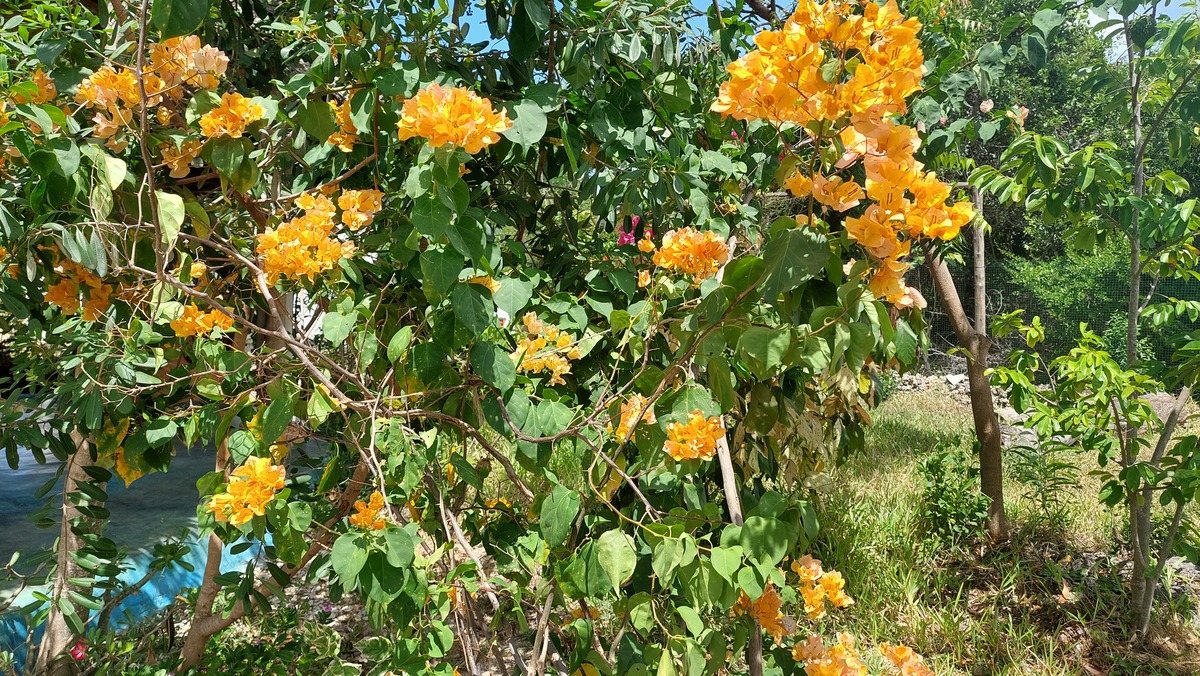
953,510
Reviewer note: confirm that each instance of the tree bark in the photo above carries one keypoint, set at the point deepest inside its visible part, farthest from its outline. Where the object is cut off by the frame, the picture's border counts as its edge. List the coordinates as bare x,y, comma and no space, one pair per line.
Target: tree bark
983,408
52,655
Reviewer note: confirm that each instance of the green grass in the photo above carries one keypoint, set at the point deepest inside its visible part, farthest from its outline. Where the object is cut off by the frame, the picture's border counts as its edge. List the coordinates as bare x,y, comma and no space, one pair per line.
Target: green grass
972,608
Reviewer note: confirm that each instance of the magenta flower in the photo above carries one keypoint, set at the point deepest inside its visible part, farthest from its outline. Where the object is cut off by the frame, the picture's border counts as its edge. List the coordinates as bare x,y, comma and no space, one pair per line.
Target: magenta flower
78,651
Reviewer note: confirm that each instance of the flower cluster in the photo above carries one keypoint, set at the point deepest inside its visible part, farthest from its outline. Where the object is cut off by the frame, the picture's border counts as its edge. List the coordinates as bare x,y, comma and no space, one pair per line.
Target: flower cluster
195,322
76,281
905,659
839,659
175,64
347,134
252,488
631,408
179,158
231,118
818,586
452,115
359,207
366,515
303,246
767,609
687,250
545,348
44,90
696,439
787,80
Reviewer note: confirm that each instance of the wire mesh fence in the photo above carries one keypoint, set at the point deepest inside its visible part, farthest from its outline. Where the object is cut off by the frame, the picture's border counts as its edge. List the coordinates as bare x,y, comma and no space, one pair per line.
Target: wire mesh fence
1064,293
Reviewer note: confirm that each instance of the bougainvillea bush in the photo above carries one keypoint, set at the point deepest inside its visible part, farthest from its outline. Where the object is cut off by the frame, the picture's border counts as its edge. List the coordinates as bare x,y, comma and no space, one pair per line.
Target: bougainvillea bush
568,381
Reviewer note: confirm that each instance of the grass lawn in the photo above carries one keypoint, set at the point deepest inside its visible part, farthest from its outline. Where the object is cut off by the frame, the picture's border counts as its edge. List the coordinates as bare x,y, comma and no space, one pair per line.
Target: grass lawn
1047,602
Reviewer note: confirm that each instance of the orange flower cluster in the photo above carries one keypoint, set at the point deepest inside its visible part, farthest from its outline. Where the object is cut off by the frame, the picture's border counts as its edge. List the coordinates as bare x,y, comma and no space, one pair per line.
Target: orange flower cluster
175,64
904,659
359,207
195,322
367,514
179,158
696,439
839,659
787,80
303,247
452,115
46,91
231,118
687,250
545,348
252,488
74,278
631,408
347,134
818,586
768,610
184,61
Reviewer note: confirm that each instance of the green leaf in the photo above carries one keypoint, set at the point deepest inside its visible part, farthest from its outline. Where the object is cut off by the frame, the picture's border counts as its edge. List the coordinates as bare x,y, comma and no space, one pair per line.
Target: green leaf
316,119
791,258
494,365
726,561
399,343
618,557
170,216
178,17
763,349
278,415
559,510
348,558
691,619
227,154
1047,20
905,341
160,431
300,516
439,270
513,296
400,547
765,540
472,308
430,216
529,122
539,13
336,326
1034,47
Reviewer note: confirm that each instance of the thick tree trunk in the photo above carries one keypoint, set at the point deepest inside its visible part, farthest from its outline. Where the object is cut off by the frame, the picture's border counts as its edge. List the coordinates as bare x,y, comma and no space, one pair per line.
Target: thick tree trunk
983,409
52,657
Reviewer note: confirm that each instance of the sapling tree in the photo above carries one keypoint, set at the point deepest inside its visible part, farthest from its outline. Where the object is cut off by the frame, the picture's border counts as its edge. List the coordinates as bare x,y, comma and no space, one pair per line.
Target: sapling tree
1100,192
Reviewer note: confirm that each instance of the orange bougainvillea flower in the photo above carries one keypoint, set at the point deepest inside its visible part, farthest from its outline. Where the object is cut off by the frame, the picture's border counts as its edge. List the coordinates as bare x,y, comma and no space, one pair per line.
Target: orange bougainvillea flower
818,586
185,61
45,92
545,348
347,134
767,610
699,254
840,659
231,117
359,207
631,408
696,439
367,514
180,158
74,281
786,80
303,246
194,322
903,658
252,487
486,281
452,115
